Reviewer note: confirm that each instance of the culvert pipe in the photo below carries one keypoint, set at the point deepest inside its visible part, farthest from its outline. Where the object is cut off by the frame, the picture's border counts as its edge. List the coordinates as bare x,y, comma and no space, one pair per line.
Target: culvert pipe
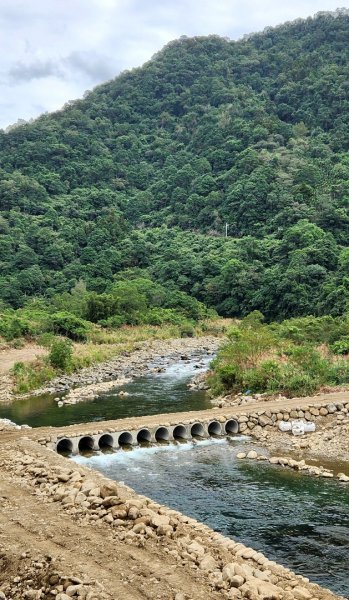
125,439
86,443
214,428
198,430
106,441
64,446
231,426
180,432
143,435
162,434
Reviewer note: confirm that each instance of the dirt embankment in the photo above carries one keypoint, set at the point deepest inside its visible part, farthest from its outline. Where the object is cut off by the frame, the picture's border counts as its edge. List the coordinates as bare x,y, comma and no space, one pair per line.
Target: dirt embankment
8,358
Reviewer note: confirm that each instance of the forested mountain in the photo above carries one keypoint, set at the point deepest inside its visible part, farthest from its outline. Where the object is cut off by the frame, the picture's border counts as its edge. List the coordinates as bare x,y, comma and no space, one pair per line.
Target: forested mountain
144,172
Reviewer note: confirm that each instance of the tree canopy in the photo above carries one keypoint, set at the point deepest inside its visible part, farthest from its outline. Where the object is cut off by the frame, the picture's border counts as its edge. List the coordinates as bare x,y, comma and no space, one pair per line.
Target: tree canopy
144,172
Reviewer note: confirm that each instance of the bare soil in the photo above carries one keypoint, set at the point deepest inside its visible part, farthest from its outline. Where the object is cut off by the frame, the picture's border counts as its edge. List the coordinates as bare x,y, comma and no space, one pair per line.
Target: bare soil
10,356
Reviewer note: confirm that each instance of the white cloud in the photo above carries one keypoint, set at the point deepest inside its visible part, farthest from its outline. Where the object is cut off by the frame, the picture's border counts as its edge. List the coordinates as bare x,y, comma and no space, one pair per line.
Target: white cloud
51,51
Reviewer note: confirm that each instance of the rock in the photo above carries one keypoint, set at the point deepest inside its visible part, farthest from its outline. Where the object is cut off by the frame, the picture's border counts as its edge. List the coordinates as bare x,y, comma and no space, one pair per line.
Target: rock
111,501
331,408
241,455
264,420
342,477
72,590
108,489
252,454
300,593
237,581
196,548
228,572
208,563
255,589
159,521
165,530
139,528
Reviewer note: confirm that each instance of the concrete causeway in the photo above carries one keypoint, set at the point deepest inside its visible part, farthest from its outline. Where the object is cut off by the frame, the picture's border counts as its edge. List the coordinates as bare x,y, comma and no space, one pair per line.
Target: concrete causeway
183,426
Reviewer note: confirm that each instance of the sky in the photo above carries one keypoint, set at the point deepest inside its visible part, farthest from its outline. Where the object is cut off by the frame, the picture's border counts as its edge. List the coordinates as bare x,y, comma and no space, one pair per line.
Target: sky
52,51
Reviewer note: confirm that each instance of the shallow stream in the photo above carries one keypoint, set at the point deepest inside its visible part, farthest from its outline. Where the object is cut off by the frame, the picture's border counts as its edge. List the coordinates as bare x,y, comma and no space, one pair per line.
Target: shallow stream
149,395
294,519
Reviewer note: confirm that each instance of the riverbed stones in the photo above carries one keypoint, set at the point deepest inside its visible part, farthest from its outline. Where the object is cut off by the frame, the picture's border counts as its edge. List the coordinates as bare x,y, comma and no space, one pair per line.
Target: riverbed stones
241,455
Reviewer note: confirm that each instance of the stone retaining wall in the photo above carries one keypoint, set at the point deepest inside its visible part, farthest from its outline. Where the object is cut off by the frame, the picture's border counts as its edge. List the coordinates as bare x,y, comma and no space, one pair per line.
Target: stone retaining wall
258,420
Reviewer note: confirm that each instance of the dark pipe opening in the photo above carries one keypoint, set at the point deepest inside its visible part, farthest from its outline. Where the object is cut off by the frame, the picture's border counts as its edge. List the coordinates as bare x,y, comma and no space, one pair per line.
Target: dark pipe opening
232,426
106,441
180,433
197,430
86,443
144,435
215,428
65,446
162,434
125,439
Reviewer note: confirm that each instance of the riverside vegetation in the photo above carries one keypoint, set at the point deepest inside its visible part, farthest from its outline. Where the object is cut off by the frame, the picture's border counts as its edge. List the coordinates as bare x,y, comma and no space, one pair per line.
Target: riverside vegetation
296,357
99,326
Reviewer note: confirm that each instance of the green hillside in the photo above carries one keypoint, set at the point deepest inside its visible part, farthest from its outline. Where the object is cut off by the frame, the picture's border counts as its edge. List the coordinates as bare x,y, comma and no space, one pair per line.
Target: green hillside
143,174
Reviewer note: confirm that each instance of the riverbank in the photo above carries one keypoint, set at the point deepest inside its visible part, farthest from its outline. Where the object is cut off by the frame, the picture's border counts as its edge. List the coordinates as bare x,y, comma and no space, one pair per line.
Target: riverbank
144,357
64,525
148,357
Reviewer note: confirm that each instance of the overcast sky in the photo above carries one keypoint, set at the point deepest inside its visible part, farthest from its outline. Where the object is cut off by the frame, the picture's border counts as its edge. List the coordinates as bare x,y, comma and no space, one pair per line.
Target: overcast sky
51,51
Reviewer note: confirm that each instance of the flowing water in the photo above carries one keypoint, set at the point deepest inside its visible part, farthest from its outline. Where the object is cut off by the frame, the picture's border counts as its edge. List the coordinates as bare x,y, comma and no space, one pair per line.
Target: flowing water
153,394
299,521
294,519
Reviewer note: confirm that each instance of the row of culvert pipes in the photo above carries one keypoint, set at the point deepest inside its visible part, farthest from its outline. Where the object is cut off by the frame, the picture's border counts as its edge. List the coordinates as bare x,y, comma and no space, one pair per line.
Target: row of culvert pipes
145,435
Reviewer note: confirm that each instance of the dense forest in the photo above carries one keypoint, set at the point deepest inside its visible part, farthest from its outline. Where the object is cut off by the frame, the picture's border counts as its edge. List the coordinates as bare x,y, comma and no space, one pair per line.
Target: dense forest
128,191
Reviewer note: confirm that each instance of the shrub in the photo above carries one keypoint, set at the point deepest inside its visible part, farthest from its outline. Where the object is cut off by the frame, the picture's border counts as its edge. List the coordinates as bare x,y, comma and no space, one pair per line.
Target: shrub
12,326
186,330
31,376
113,322
60,356
341,346
64,323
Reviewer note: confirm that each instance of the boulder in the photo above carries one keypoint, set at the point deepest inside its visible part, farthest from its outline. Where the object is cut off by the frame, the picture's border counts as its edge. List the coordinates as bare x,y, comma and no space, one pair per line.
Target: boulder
208,563
301,593
256,589
159,520
108,489
264,420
